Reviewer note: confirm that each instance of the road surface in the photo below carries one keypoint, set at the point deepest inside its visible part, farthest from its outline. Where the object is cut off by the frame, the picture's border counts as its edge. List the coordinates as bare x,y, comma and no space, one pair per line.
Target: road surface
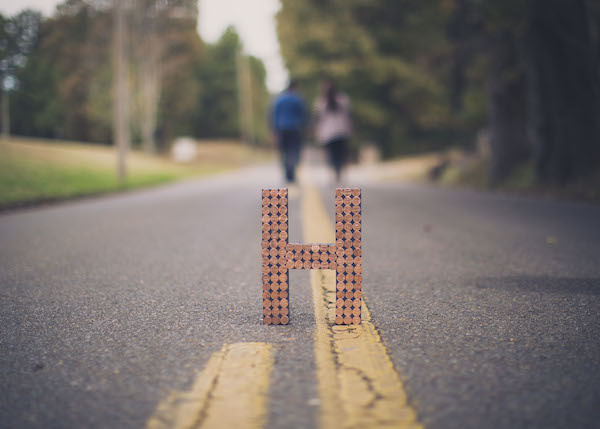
488,306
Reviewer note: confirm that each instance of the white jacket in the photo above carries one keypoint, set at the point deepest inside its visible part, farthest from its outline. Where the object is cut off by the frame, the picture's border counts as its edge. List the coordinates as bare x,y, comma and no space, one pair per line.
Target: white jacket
332,124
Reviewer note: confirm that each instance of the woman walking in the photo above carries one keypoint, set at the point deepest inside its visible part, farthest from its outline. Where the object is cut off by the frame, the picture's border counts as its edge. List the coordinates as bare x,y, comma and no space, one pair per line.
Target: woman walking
333,125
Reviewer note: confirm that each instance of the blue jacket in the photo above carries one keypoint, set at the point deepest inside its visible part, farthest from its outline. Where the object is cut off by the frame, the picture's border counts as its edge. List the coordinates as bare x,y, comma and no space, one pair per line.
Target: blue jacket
288,112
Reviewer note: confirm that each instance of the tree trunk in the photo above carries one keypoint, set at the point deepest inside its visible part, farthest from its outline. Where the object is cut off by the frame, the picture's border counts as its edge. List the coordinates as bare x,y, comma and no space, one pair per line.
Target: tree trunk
564,90
149,50
241,90
462,30
150,93
5,114
248,102
507,107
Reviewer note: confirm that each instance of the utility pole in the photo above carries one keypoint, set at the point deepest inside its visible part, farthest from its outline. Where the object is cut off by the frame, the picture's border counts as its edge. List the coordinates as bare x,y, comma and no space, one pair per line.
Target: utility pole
121,90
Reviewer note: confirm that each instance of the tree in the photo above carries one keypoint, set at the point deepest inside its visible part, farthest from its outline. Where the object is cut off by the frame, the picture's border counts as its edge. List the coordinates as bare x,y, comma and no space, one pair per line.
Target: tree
218,99
564,90
76,44
426,74
121,90
396,88
501,31
506,107
182,56
178,85
148,48
36,107
260,99
160,27
18,37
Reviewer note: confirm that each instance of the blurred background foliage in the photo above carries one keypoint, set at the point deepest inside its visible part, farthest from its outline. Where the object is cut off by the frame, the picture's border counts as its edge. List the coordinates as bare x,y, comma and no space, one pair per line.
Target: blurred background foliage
58,75
518,77
422,75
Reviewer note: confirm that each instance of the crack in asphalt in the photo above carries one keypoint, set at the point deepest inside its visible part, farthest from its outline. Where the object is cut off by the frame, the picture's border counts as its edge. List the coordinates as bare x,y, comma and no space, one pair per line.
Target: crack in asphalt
350,332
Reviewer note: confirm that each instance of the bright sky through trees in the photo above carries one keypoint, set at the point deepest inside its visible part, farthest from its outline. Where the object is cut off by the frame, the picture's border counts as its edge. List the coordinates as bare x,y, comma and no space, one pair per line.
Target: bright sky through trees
254,21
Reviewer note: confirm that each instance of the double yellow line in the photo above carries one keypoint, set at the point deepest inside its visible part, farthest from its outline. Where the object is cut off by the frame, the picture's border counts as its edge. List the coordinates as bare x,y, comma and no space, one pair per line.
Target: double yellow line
358,385
231,392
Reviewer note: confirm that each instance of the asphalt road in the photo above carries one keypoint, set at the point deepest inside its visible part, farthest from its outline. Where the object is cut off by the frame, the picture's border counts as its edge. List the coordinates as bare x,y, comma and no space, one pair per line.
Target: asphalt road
489,305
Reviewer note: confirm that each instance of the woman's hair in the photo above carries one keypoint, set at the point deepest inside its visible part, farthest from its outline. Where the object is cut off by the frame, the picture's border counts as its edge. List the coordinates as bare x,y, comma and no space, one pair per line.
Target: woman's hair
331,98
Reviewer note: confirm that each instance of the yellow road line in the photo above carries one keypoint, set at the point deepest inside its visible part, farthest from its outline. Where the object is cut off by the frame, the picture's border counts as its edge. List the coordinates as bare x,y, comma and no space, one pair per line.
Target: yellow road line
358,385
231,392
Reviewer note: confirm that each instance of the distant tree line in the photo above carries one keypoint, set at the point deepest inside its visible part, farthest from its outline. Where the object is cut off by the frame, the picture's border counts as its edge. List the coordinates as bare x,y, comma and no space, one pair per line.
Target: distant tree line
57,74
429,74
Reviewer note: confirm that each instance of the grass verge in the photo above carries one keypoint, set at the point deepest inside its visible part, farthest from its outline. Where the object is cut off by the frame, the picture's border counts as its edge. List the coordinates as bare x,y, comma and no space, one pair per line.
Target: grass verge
473,172
34,171
455,168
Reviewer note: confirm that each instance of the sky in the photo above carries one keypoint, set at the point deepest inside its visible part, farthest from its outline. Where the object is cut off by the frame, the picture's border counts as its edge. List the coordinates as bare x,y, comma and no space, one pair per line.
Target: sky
255,22
253,19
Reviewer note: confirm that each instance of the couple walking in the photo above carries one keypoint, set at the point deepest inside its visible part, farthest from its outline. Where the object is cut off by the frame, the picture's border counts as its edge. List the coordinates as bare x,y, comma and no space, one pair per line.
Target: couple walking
331,126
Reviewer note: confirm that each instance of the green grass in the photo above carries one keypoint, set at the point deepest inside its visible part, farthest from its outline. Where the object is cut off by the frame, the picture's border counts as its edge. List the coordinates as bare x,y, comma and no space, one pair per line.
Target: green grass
35,171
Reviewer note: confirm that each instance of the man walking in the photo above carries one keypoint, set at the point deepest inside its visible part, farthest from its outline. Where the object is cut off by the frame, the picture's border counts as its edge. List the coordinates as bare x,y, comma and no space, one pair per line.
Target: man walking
288,118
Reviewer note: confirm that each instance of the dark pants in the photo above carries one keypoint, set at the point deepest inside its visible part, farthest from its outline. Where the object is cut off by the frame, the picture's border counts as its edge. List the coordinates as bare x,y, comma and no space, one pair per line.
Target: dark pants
337,149
290,142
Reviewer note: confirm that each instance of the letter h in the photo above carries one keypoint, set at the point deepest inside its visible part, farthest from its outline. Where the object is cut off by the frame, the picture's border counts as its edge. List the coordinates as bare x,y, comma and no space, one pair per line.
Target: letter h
278,256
